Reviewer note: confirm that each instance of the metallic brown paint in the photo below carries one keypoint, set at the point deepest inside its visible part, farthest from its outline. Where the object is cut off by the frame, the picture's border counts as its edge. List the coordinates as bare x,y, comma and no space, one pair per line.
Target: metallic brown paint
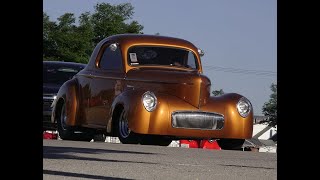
93,94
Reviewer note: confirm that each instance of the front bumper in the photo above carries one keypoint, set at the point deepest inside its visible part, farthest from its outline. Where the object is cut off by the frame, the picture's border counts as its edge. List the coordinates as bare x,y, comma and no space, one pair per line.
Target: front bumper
47,110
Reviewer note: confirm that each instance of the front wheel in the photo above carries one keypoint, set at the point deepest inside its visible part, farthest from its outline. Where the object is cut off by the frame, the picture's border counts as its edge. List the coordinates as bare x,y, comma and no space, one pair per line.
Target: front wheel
125,135
230,144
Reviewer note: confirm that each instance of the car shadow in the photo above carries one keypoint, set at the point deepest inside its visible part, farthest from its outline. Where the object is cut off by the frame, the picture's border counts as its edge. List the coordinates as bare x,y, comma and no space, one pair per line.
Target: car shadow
79,175
50,152
244,166
57,149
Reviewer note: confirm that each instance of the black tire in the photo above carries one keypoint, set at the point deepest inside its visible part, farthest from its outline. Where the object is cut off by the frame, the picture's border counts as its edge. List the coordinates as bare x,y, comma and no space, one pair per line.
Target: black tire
231,144
99,138
125,135
67,133
155,140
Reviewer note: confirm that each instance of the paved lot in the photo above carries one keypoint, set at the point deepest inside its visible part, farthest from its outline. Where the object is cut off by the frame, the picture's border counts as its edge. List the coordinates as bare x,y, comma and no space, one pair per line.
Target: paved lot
100,160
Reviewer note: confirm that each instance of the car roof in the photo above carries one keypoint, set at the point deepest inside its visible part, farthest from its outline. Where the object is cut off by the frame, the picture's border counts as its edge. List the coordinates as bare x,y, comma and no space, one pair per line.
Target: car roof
145,38
127,40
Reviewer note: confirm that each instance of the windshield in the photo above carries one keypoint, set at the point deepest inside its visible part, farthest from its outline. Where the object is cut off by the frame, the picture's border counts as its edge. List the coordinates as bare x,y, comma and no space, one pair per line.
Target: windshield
58,74
164,56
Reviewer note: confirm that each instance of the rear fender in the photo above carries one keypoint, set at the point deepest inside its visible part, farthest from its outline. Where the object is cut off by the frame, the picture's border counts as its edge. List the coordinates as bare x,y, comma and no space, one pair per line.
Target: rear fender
68,93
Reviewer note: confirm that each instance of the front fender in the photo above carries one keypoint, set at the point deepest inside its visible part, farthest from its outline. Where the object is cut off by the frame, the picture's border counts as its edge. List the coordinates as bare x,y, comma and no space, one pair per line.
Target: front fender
140,120
67,93
124,100
234,125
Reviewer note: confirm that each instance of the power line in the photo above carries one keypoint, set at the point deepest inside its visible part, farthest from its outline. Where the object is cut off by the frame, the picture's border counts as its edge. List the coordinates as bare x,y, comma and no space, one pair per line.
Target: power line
239,71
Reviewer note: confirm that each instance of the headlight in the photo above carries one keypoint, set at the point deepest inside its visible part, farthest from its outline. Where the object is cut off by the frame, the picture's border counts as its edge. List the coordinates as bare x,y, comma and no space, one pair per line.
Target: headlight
149,101
244,107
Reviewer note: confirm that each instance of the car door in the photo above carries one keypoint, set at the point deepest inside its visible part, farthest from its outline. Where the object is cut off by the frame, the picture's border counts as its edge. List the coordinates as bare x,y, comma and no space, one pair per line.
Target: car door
84,79
106,83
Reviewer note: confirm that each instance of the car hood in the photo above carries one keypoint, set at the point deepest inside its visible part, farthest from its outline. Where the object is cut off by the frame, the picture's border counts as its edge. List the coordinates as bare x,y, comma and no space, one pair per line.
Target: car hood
189,86
51,88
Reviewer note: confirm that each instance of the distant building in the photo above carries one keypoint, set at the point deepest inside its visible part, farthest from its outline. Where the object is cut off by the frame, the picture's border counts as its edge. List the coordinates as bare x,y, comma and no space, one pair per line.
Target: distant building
258,119
264,137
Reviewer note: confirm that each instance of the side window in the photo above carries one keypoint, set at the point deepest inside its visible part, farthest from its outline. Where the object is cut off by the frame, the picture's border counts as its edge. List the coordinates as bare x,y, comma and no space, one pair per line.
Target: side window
192,60
111,60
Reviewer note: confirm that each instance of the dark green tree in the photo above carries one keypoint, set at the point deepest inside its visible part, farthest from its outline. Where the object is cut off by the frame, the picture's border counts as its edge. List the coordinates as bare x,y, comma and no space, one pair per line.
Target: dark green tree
67,41
63,40
85,30
218,92
50,47
269,108
110,19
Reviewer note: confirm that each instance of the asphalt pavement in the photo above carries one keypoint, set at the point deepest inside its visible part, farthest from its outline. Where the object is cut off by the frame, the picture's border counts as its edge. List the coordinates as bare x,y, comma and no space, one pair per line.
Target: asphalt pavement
101,160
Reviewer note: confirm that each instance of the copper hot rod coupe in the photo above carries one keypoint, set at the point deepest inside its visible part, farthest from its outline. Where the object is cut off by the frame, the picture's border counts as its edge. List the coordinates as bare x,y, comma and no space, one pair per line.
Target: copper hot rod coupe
149,89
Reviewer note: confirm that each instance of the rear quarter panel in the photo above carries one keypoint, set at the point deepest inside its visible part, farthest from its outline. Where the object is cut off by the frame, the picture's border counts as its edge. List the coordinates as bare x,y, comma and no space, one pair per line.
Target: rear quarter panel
69,93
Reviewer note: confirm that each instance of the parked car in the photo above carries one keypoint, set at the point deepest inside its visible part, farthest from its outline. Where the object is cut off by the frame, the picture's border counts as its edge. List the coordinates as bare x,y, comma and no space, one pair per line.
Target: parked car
55,73
150,90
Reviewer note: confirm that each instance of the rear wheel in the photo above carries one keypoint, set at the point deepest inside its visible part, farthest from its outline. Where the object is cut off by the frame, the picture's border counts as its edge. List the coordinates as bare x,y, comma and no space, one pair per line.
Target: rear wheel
125,135
230,144
68,133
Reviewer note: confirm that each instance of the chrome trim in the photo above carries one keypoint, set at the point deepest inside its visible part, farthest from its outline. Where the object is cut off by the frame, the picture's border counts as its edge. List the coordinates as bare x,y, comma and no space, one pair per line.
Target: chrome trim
201,52
155,100
197,120
244,99
200,93
103,77
51,94
50,98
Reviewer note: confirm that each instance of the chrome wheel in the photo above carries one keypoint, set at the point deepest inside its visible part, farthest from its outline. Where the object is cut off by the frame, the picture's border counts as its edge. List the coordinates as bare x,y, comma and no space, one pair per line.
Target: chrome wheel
124,130
63,117
66,132
125,135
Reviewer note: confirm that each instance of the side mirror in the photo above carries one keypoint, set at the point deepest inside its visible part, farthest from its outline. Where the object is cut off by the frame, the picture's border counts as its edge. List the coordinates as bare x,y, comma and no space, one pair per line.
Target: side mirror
201,52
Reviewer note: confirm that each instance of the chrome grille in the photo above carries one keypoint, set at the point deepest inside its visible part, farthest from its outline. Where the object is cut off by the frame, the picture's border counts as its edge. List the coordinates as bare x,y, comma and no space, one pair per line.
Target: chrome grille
47,101
197,120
